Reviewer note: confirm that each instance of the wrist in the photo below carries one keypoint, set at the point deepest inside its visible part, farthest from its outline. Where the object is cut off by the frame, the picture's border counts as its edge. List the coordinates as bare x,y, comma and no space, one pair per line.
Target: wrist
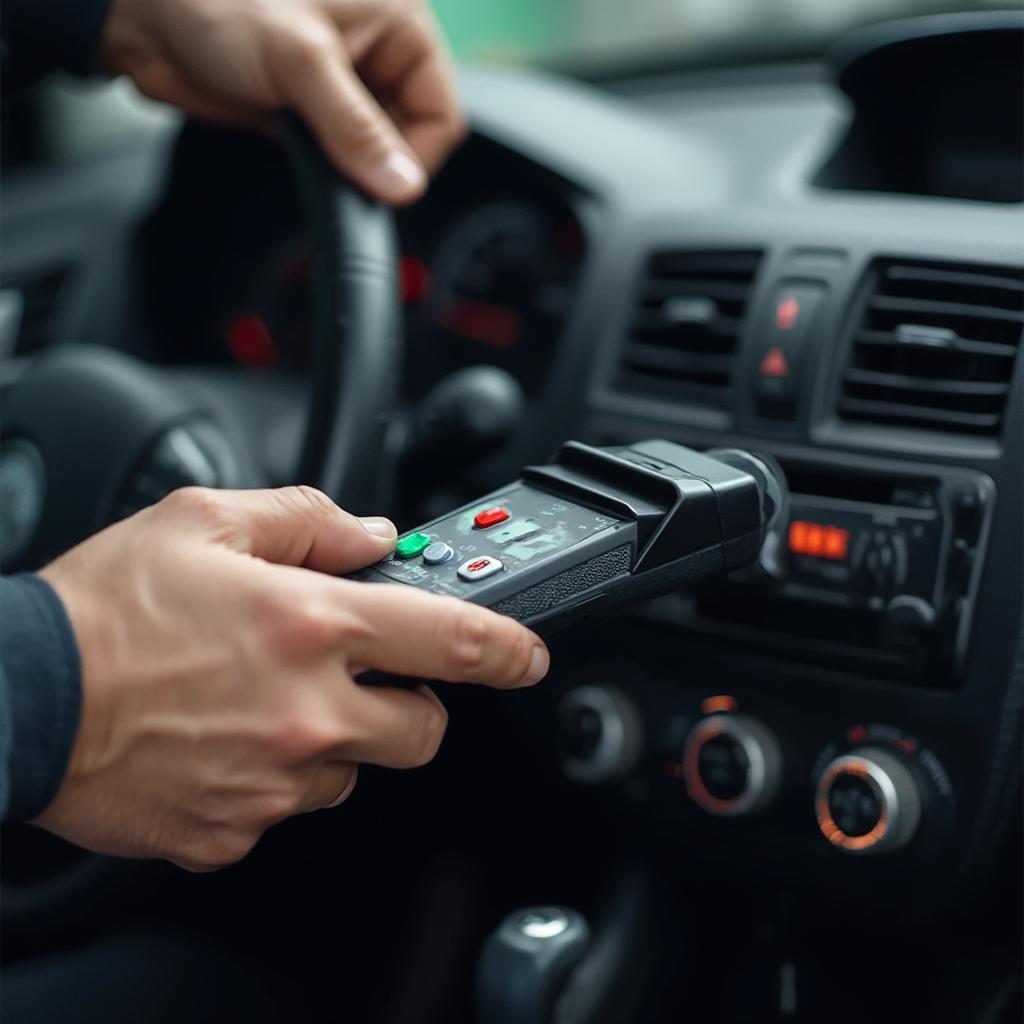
85,622
42,675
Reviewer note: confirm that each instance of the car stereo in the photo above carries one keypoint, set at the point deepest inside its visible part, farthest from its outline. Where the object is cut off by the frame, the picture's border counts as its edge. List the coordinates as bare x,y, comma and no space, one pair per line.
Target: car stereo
879,575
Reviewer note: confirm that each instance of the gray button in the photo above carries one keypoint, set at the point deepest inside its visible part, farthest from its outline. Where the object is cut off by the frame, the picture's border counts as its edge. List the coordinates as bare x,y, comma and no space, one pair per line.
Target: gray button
479,568
518,529
436,553
542,923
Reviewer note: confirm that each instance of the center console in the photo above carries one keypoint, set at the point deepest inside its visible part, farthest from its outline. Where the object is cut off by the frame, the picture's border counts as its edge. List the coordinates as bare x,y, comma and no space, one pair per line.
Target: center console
850,723
881,576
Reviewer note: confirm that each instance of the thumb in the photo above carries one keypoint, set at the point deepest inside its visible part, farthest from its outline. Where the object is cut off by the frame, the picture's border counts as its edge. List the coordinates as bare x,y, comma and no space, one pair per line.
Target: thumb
288,525
353,130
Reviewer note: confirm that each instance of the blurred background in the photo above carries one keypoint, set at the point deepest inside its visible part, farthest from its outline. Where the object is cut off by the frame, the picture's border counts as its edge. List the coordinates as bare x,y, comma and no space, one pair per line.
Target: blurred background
591,39
598,36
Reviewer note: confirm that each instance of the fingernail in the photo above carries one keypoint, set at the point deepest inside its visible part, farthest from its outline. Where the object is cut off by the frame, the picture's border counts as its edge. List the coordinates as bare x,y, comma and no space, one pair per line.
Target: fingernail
346,792
398,177
540,662
379,527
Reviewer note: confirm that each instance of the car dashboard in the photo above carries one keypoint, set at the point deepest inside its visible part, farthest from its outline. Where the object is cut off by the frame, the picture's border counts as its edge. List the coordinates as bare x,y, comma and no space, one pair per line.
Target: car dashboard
683,257
727,298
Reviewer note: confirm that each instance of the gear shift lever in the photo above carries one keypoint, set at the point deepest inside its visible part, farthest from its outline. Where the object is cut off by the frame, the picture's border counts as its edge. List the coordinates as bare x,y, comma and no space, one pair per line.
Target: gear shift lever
525,963
465,417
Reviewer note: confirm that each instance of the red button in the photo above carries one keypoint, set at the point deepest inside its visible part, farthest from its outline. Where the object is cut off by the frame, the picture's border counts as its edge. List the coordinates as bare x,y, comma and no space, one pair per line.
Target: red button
490,517
774,363
787,312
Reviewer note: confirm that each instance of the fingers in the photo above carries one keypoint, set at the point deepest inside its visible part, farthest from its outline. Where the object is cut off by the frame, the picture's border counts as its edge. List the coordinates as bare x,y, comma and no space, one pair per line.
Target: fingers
414,633
372,78
392,727
406,64
332,785
160,80
289,525
316,77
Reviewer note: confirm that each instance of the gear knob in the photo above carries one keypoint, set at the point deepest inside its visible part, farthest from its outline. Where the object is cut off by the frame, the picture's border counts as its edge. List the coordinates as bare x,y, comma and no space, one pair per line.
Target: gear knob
468,414
525,964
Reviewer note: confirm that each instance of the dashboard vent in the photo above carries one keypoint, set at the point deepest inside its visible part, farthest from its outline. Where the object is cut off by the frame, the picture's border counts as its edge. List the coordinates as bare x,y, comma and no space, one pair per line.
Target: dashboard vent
935,347
686,324
38,298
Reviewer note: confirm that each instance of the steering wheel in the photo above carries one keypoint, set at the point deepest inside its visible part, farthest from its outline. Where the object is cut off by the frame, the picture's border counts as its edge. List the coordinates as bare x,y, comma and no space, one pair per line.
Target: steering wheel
92,434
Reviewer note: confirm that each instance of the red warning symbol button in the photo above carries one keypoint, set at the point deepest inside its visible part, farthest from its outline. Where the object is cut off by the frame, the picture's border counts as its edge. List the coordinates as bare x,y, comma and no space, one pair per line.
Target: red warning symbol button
774,363
787,312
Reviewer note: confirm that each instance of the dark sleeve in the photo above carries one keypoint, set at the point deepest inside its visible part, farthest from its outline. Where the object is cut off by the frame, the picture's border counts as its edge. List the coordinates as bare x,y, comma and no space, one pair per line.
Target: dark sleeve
40,695
39,36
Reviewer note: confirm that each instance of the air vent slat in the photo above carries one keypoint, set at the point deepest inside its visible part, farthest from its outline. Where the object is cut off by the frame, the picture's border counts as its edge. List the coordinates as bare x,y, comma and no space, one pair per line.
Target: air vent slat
933,275
696,364
904,382
965,345
943,309
900,412
688,316
935,347
694,287
667,331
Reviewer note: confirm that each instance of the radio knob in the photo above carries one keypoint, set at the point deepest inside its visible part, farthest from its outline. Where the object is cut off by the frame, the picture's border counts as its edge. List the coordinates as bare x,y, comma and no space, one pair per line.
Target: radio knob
600,734
907,614
868,801
733,765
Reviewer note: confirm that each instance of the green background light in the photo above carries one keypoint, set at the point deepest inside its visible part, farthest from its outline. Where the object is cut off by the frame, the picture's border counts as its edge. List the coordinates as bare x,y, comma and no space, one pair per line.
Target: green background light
504,29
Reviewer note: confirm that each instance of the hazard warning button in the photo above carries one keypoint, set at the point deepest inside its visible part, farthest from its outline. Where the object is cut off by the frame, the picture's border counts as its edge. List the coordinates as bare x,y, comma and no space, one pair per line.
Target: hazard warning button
775,363
783,346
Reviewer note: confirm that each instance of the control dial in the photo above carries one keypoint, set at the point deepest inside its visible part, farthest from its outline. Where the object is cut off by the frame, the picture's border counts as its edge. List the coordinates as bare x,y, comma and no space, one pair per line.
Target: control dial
600,734
868,801
732,764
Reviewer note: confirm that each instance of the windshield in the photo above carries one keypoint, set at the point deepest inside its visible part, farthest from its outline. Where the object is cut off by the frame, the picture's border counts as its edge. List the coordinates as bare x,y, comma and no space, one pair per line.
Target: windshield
592,36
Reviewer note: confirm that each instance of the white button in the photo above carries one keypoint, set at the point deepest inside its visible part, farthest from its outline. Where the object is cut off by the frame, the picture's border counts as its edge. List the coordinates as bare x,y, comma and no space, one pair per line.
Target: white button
437,553
479,568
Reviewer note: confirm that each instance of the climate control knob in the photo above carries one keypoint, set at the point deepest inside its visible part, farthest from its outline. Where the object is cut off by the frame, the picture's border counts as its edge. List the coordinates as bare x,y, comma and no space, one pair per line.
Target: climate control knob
868,801
600,734
732,764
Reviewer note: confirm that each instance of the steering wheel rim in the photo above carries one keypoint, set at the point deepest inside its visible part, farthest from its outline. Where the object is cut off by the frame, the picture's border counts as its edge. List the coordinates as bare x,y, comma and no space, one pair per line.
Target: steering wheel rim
352,395
357,328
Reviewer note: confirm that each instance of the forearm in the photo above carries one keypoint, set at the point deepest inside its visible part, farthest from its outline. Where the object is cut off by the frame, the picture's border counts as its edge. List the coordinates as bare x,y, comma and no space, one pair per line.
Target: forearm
40,695
55,35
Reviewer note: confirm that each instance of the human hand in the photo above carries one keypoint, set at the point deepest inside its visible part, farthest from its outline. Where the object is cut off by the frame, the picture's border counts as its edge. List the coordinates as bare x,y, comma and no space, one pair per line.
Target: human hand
372,78
219,692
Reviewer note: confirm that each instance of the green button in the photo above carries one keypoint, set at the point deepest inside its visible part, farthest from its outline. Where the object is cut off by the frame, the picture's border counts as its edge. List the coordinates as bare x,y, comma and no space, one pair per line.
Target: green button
413,545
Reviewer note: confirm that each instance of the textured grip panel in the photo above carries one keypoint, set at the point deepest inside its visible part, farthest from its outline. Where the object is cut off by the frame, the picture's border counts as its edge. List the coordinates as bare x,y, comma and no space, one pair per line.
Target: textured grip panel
559,589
